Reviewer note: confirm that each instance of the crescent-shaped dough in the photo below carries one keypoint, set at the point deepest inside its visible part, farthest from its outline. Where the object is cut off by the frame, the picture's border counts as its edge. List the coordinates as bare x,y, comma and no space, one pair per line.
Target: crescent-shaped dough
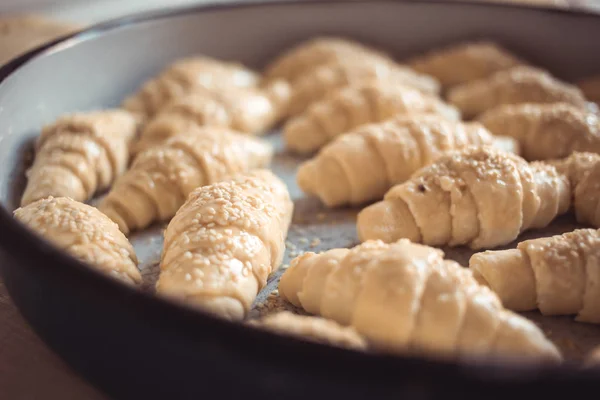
364,164
405,297
478,196
514,86
85,233
583,171
464,62
350,107
313,329
546,131
248,110
185,76
313,53
315,84
560,275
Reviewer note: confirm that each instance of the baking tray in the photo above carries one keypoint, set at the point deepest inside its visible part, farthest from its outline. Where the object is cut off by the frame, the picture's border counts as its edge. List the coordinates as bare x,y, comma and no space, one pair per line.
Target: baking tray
133,344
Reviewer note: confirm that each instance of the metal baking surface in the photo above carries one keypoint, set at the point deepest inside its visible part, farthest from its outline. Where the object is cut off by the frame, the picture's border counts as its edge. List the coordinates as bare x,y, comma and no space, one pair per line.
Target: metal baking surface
317,228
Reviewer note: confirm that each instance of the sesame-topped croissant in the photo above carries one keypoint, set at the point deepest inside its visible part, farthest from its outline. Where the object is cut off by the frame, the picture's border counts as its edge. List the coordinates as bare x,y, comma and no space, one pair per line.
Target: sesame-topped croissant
85,233
479,196
557,274
224,242
185,76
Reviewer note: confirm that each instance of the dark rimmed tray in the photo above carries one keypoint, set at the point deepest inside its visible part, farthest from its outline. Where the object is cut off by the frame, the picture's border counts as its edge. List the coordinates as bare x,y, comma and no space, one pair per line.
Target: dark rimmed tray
134,345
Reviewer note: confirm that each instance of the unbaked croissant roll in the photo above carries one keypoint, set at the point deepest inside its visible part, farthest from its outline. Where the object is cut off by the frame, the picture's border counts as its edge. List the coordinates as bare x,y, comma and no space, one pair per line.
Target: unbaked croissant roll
79,155
546,131
464,62
479,197
317,83
85,233
357,105
313,53
314,329
249,110
404,296
514,86
161,178
362,165
185,76
583,170
224,242
558,275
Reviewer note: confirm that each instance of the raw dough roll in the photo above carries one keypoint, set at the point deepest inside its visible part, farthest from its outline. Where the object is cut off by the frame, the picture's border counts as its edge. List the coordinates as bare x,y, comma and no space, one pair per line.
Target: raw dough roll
85,233
558,274
464,62
313,53
79,155
404,296
514,86
185,76
224,242
593,359
350,107
161,178
314,329
546,131
250,110
316,84
479,197
362,165
583,171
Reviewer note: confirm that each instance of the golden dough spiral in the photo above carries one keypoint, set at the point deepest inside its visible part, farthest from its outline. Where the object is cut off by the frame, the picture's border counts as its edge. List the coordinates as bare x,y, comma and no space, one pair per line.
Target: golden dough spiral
479,197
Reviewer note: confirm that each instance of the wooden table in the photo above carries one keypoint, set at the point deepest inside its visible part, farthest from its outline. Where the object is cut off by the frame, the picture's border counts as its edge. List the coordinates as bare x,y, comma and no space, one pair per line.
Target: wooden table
30,370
